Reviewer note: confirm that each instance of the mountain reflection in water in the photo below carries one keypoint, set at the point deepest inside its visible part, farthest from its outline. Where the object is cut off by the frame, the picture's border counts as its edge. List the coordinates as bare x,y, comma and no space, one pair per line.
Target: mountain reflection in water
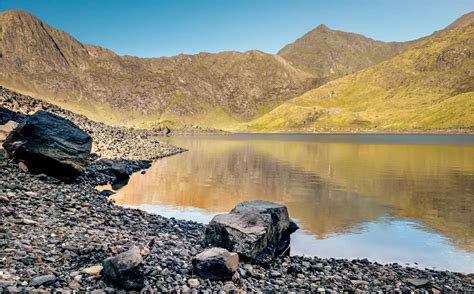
393,198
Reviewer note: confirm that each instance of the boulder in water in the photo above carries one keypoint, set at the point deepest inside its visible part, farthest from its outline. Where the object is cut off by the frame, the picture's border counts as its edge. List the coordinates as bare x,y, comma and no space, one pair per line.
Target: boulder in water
255,230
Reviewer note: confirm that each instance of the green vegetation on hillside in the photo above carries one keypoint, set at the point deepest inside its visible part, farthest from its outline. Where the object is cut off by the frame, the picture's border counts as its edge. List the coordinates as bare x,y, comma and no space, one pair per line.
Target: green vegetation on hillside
427,86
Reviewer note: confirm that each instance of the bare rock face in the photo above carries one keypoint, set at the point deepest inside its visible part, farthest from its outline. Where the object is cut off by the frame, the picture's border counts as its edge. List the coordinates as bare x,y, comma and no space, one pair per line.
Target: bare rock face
49,62
49,144
254,230
216,264
125,270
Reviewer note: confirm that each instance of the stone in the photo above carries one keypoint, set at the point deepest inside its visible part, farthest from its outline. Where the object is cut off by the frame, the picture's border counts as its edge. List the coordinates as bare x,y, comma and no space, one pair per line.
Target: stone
125,270
50,144
7,283
107,193
252,229
418,282
193,283
118,169
42,280
23,166
93,270
74,285
359,282
6,129
215,264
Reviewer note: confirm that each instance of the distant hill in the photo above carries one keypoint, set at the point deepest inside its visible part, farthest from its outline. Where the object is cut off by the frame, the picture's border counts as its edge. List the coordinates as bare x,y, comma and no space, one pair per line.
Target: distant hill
331,54
429,85
209,89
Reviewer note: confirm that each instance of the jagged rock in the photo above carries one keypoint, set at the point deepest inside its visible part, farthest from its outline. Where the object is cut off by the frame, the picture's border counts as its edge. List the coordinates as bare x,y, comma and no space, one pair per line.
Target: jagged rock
216,264
125,270
252,229
50,144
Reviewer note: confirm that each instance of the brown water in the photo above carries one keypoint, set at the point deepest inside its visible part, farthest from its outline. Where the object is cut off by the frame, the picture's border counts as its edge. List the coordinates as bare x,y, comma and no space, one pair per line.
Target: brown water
390,198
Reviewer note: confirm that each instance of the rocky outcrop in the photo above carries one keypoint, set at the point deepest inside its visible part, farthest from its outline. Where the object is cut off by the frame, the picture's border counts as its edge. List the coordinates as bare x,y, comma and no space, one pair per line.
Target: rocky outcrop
255,230
215,264
49,144
125,270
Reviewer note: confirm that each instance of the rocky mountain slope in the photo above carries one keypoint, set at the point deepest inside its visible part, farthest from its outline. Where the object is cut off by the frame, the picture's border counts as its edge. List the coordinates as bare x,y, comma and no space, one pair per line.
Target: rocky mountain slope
427,86
229,86
331,54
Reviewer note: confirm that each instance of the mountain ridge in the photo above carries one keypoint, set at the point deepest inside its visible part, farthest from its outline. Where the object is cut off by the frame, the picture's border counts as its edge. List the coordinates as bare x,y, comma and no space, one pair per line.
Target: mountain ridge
221,90
430,85
37,58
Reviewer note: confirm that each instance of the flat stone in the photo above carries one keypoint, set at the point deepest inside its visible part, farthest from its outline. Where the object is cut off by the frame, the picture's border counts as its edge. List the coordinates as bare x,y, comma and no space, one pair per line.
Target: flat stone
42,280
93,270
418,282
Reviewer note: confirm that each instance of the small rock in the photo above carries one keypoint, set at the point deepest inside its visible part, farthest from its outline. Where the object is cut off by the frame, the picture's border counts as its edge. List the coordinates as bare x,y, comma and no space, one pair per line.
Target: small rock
42,280
275,274
193,283
74,285
418,282
216,264
125,269
93,270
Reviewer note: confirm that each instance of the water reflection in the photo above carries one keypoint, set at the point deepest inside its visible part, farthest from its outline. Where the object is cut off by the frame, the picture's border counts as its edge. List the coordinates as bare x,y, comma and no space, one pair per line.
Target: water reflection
335,186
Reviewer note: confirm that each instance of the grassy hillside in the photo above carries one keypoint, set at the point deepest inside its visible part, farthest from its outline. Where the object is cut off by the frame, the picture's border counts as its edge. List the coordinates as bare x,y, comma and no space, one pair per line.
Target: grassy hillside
427,86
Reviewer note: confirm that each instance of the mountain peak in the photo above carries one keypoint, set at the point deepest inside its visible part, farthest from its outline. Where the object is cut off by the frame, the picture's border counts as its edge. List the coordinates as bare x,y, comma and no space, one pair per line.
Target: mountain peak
21,14
322,27
330,54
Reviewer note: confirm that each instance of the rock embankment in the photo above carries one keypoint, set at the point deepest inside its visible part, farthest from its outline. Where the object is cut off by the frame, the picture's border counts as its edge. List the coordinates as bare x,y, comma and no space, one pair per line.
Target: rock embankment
109,142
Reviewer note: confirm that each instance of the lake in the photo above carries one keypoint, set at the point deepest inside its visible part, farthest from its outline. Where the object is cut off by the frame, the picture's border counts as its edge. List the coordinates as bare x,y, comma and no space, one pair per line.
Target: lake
389,198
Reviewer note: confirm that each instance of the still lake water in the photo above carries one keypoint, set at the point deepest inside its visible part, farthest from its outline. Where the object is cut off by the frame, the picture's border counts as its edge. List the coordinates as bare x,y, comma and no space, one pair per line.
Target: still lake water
389,198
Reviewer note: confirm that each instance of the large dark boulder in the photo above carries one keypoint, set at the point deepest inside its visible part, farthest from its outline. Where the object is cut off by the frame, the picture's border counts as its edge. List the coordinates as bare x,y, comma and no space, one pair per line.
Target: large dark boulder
255,230
49,144
8,115
125,270
215,264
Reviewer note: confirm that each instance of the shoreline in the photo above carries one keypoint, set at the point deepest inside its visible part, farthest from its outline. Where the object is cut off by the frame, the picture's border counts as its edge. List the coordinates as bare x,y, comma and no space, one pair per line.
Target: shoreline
52,228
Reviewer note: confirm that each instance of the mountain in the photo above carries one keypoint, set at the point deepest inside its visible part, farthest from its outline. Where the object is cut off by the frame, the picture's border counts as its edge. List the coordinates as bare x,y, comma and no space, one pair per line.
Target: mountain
463,21
330,54
209,89
429,85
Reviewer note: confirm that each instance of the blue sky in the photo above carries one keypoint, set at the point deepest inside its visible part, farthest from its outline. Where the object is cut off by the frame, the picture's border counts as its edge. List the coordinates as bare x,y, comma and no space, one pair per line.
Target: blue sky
169,27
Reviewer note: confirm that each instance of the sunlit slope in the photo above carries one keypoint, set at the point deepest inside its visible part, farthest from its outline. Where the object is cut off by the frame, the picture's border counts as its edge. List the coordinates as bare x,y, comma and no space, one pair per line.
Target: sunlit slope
428,86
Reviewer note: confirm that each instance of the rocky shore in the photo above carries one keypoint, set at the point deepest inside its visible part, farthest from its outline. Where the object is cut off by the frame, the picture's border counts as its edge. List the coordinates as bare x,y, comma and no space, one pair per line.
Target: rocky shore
56,236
